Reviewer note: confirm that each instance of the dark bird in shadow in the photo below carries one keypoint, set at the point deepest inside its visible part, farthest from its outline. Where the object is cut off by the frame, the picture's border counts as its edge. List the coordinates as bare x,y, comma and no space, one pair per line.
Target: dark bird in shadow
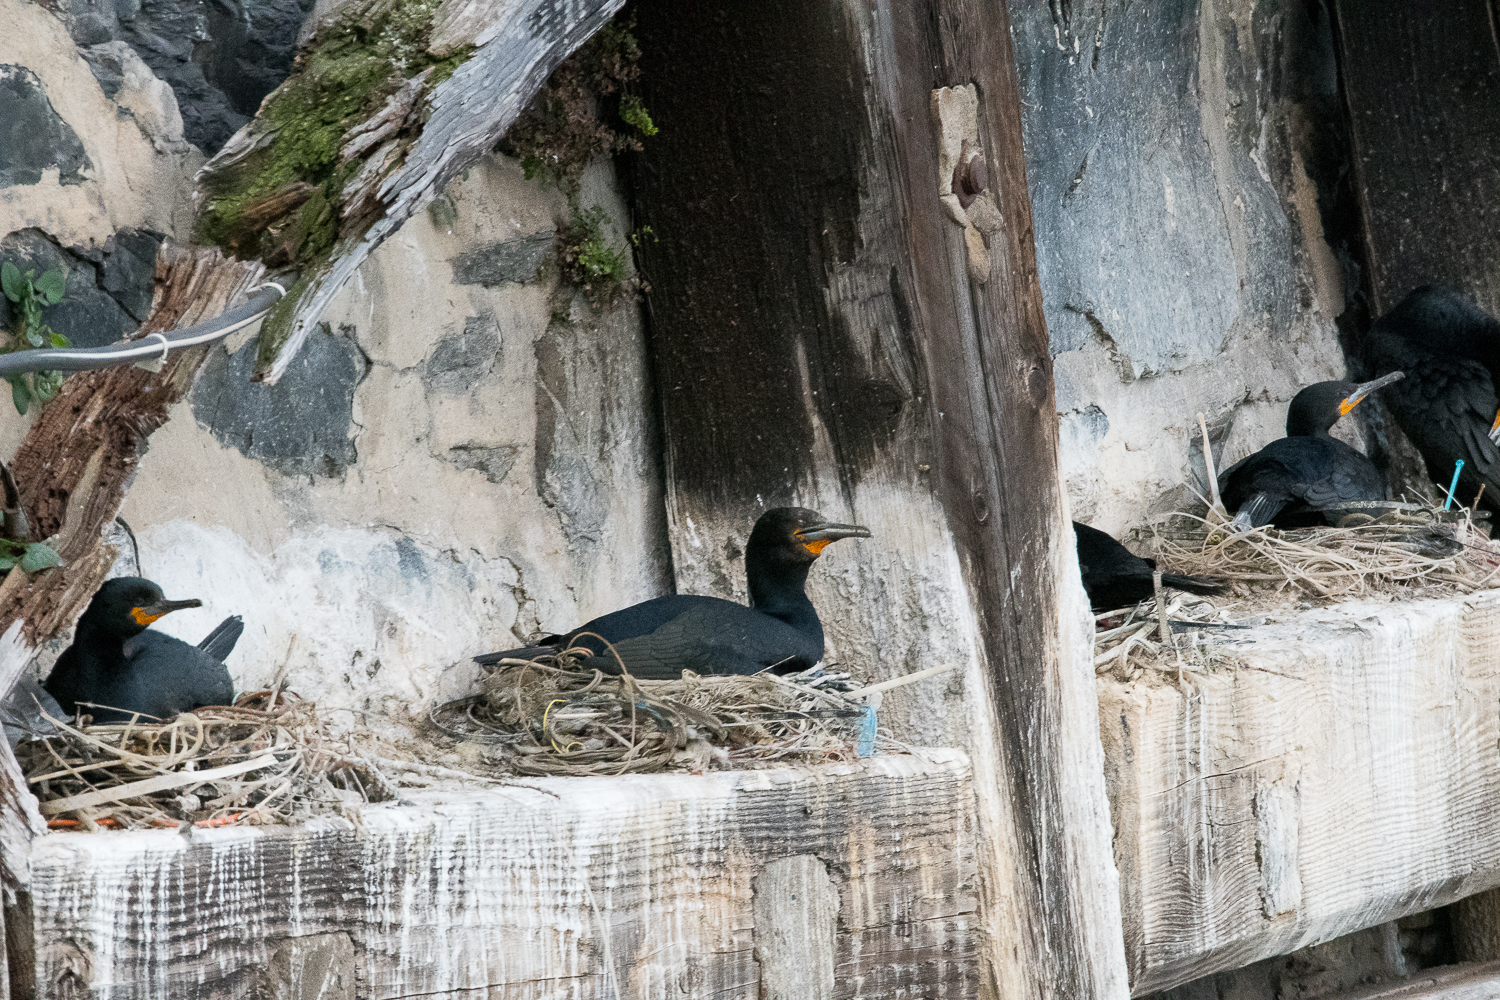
1115,577
1449,349
117,661
660,638
1291,481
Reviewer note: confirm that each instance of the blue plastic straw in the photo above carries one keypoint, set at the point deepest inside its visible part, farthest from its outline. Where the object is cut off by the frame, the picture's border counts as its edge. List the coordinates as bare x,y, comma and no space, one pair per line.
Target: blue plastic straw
864,744
1453,485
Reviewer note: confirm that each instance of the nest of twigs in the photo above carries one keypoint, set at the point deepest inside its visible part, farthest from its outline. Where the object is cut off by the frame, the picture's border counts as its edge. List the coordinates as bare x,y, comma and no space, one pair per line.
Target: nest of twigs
1381,548
264,760
1406,544
549,716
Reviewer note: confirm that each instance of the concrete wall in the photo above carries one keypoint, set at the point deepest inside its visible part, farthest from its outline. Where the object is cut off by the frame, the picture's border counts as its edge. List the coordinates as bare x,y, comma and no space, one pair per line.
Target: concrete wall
465,454
1184,160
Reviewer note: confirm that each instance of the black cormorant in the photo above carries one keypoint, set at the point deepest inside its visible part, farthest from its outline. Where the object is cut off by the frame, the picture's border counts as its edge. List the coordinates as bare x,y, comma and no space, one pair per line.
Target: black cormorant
660,638
116,661
1115,577
1290,480
1447,404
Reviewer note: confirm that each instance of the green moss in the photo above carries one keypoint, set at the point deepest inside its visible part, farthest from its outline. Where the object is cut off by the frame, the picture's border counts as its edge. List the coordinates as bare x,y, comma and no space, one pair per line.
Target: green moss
276,329
353,66
634,113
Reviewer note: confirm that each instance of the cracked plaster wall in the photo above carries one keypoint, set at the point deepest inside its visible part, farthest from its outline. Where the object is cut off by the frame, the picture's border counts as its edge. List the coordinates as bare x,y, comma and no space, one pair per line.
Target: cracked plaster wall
467,453
119,179
1185,164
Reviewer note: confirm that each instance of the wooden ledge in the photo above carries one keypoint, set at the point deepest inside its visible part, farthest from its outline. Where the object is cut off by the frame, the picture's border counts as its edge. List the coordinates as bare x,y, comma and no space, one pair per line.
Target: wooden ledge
861,875
1346,774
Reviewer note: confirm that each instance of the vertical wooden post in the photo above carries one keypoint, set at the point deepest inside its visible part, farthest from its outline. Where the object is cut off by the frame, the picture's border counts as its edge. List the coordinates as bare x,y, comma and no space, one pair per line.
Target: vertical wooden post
1422,87
831,325
1421,84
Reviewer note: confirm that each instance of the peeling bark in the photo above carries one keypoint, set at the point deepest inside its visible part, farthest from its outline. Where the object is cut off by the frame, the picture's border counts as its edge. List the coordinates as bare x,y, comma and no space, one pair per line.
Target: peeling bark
78,459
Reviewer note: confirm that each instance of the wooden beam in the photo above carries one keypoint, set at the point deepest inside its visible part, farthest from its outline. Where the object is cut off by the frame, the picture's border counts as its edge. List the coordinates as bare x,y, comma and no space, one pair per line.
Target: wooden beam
1338,775
397,158
643,886
831,326
1452,982
1422,87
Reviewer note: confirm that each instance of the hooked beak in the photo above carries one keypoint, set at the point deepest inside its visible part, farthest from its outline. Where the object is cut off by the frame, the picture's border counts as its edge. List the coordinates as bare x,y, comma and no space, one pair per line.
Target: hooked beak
148,613
1358,395
815,537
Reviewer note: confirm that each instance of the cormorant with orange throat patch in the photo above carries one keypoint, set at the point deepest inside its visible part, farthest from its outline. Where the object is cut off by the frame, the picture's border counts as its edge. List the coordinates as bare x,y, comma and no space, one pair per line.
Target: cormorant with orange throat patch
1291,481
660,638
116,661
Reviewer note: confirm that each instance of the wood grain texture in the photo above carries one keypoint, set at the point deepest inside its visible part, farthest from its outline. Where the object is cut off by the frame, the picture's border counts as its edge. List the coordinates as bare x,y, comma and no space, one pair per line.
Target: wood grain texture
818,338
1342,776
1422,86
1453,982
641,887
516,45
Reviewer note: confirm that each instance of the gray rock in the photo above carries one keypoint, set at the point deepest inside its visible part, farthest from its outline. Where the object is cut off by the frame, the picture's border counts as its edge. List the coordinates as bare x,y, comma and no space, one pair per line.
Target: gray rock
302,425
33,136
220,58
460,359
516,260
493,462
108,290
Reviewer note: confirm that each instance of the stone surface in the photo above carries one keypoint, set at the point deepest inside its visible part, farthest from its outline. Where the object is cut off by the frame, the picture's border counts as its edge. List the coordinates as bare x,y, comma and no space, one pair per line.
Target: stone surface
516,260
493,471
1193,242
33,137
220,59
138,168
108,289
302,425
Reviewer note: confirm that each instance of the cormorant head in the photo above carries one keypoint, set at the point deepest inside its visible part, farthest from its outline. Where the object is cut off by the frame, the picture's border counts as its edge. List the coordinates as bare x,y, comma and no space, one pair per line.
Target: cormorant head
1320,405
127,604
795,536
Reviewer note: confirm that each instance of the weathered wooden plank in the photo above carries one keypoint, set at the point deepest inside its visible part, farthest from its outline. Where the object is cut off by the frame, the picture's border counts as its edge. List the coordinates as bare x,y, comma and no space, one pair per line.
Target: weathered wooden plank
827,331
1454,982
1342,776
431,132
642,886
1422,87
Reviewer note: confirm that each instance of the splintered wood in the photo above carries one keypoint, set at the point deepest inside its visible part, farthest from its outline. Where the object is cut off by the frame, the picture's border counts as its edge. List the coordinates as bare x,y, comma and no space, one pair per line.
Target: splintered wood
79,456
1342,775
645,886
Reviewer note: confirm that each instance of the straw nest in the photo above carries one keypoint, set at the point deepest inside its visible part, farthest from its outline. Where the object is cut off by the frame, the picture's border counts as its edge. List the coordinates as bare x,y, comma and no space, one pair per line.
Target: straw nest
1378,549
1406,544
263,760
549,716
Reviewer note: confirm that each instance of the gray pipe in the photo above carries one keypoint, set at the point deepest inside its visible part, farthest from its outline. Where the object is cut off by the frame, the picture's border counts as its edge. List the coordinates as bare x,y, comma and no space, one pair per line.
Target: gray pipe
155,345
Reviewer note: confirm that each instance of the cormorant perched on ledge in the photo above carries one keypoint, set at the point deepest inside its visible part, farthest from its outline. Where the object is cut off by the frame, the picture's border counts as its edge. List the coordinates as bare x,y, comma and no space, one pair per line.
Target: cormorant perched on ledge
1115,577
1447,404
116,661
780,630
1289,481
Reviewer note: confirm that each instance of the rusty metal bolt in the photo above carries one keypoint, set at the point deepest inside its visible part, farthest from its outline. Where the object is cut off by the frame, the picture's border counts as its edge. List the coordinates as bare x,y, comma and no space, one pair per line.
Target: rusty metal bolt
970,175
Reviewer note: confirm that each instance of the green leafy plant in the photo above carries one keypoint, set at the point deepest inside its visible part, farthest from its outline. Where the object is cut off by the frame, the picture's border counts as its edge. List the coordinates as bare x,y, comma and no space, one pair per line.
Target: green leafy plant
32,557
633,112
586,258
31,294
